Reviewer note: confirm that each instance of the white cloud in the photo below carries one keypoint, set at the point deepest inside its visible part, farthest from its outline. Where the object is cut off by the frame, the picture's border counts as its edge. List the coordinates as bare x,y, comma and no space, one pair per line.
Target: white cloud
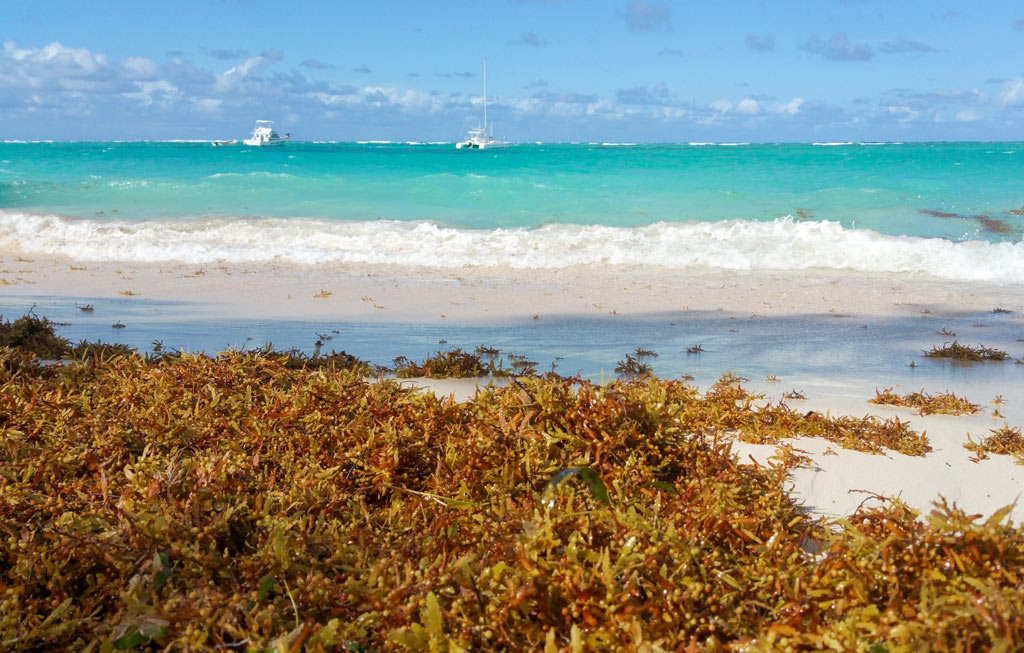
231,79
148,91
722,106
140,68
790,108
966,116
748,106
1013,92
55,66
903,114
751,107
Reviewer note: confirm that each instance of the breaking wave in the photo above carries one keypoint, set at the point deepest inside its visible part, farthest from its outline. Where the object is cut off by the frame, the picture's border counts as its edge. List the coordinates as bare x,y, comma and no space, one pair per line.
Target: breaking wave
782,244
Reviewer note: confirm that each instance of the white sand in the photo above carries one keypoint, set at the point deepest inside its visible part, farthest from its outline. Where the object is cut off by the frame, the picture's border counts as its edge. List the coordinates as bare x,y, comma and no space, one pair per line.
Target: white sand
391,293
839,481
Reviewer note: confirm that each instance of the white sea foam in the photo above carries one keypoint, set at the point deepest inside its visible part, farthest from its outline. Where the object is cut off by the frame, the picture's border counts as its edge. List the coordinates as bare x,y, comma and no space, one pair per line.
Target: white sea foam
833,144
255,173
783,244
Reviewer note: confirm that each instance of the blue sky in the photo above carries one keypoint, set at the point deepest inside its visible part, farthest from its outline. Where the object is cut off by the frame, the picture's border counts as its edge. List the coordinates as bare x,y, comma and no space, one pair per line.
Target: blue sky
558,70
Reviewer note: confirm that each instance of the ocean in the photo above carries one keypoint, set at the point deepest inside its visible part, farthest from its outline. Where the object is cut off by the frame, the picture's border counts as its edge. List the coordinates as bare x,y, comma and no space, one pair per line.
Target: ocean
943,210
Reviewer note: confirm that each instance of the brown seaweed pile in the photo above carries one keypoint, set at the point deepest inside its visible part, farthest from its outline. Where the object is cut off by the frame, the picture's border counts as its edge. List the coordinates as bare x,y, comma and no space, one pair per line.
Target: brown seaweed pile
242,503
456,363
33,333
1007,441
966,353
941,403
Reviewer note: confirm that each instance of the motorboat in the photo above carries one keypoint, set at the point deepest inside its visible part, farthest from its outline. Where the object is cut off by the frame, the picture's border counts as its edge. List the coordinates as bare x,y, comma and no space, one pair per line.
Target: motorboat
264,134
481,138
223,143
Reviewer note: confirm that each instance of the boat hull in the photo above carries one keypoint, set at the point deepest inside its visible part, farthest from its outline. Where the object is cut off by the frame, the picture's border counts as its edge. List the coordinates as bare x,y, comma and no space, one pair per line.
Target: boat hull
261,143
480,145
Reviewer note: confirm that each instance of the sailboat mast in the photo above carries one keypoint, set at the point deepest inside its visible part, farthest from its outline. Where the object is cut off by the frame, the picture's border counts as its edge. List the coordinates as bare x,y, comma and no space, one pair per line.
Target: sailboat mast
485,97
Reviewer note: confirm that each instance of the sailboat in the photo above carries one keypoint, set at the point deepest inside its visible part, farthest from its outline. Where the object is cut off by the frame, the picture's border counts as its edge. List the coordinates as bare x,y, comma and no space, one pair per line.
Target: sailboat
480,138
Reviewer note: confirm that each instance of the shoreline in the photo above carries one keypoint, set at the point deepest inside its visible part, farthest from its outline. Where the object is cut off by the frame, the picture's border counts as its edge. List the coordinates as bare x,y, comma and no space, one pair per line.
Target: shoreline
389,293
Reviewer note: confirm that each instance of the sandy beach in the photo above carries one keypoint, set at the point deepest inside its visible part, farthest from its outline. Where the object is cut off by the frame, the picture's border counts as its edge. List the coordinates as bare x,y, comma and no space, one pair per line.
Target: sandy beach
387,293
833,485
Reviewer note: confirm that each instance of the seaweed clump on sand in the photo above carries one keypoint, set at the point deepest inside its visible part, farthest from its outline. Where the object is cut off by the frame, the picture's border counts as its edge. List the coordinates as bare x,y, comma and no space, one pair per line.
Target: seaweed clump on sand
1007,441
942,403
730,409
964,353
456,363
193,503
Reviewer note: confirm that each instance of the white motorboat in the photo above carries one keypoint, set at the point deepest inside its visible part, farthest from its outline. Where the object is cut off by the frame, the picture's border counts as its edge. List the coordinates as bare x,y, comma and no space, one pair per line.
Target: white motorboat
481,138
233,141
264,134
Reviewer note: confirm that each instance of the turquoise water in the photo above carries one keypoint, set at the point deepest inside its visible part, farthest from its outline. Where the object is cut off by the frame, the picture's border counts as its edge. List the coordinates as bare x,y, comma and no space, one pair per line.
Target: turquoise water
908,207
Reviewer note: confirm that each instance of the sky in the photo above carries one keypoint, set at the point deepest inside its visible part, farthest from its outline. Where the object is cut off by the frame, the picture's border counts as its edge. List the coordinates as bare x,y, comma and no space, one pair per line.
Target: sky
558,70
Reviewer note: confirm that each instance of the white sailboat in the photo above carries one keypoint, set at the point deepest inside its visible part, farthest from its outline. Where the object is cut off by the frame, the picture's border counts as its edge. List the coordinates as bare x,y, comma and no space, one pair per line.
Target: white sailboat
481,138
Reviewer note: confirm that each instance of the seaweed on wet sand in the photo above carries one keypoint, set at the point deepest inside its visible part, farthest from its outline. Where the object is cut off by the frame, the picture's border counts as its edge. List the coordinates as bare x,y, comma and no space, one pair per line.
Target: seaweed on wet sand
730,409
942,403
196,503
1006,441
966,353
